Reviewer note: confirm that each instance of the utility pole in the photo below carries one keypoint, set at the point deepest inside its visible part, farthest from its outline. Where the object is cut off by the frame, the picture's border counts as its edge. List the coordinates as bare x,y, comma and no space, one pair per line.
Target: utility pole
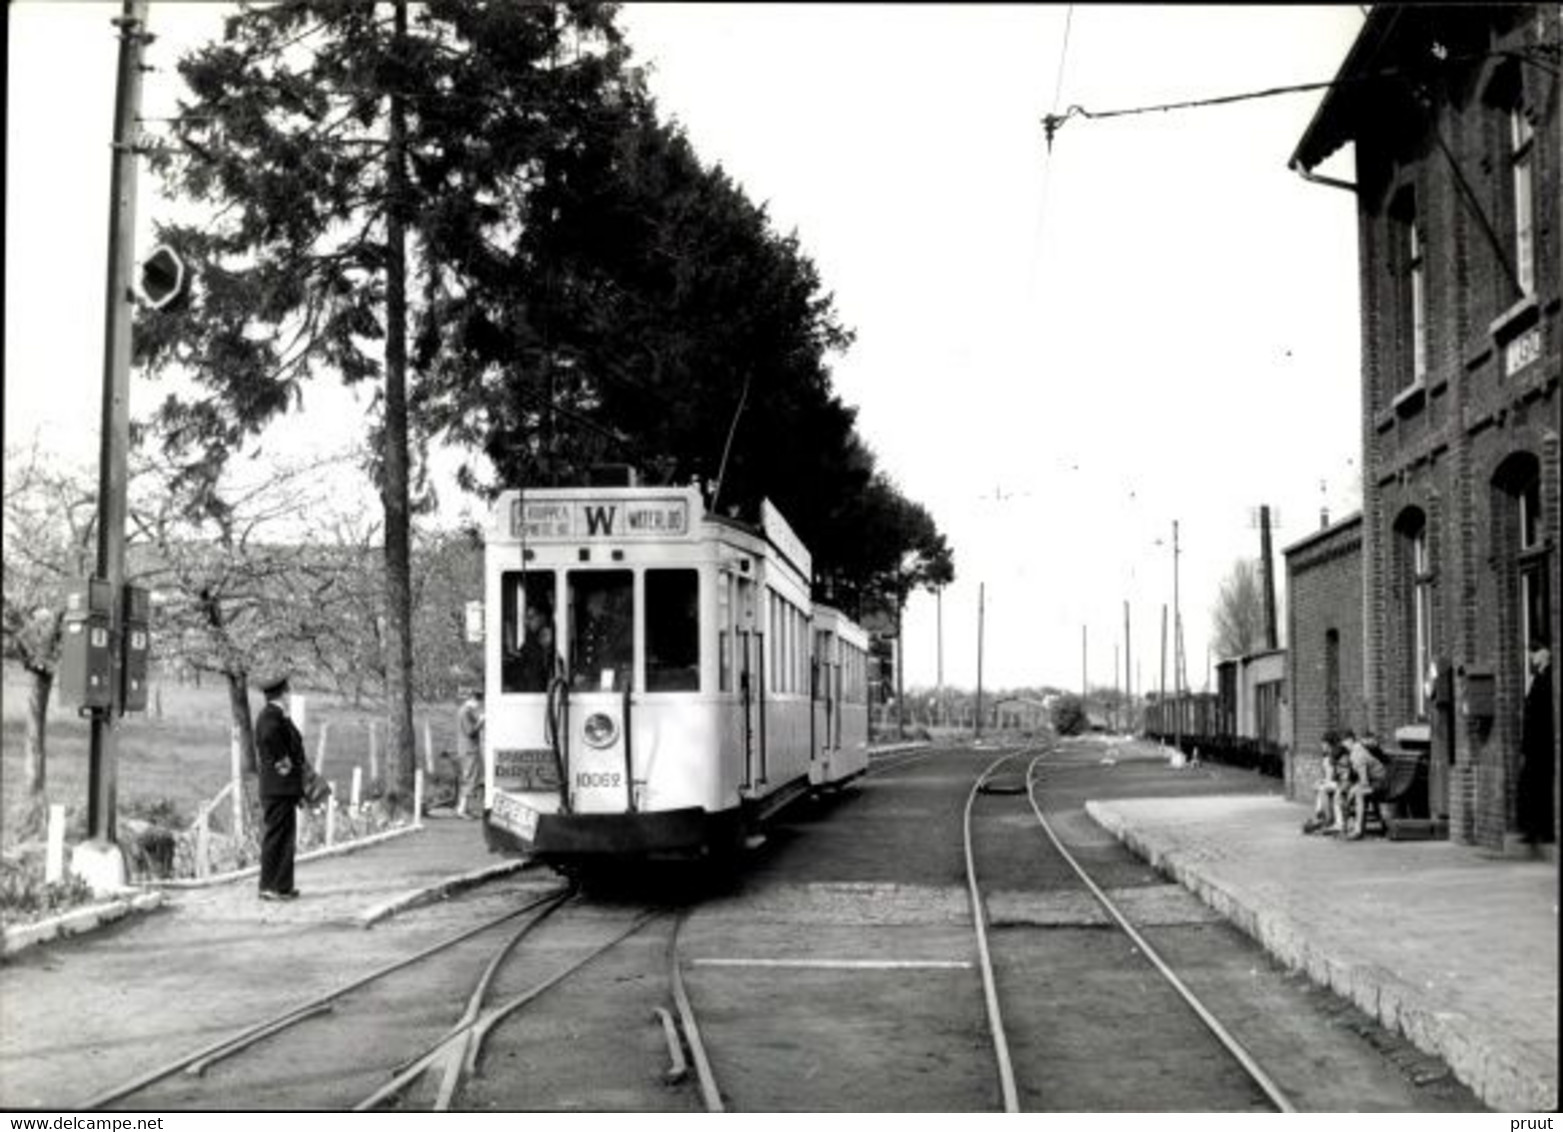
1177,648
1128,684
99,861
1117,690
1085,688
1272,640
1162,697
938,596
980,595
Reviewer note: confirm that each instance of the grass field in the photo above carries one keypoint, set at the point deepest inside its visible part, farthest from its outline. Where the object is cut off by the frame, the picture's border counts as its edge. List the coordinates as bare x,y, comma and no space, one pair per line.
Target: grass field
182,757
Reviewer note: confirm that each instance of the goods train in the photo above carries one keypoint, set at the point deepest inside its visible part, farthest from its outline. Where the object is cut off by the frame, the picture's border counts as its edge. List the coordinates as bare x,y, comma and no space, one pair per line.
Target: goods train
1242,723
658,681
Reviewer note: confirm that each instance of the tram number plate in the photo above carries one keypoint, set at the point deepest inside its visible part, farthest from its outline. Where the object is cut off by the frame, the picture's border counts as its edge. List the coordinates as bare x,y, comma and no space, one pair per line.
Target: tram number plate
515,816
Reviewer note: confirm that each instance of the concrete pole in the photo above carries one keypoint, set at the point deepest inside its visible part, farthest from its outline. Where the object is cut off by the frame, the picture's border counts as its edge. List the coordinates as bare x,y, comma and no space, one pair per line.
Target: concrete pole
1177,648
100,861
981,594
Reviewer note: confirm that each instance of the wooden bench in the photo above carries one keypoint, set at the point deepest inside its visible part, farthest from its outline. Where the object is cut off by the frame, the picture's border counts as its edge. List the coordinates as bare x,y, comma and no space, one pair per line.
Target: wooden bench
1404,791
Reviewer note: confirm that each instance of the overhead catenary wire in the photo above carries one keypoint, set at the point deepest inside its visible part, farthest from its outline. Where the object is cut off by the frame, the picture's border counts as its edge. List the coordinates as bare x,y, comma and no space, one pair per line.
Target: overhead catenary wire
1053,121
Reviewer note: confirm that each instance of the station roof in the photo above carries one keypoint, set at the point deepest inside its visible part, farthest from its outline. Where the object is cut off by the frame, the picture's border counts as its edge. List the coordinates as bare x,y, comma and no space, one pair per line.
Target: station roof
1346,102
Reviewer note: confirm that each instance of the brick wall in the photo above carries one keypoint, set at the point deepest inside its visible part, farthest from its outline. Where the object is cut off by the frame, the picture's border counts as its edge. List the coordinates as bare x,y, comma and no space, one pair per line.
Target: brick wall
1323,598
1441,446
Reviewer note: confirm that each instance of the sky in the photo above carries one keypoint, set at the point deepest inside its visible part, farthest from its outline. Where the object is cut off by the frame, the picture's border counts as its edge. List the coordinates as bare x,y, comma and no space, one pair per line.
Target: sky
1059,351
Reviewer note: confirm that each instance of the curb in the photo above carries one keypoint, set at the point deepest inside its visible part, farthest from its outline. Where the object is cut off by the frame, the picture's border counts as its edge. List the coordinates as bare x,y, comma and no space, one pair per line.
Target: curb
1499,1077
78,920
440,890
341,848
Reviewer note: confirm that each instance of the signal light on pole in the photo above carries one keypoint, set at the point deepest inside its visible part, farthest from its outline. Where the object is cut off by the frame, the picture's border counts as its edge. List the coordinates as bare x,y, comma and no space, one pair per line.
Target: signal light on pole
162,277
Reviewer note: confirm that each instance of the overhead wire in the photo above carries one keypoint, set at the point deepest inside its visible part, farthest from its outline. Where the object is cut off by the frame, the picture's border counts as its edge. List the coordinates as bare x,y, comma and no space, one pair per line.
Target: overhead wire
1053,121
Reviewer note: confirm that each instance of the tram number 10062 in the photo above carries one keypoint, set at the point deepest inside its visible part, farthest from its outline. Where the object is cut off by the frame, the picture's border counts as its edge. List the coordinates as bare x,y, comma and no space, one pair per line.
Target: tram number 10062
590,780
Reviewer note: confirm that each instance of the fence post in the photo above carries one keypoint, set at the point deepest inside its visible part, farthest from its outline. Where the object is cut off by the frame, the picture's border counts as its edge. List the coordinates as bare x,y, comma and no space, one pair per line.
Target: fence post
320,748
54,867
417,798
428,748
331,815
203,849
374,751
358,786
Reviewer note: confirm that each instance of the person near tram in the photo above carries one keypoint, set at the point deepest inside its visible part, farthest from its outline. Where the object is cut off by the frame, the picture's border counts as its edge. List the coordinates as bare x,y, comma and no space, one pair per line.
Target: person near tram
469,749
279,755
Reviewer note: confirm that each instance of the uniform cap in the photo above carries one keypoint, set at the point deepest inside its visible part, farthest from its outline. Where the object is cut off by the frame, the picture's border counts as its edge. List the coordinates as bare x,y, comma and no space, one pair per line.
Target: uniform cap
273,683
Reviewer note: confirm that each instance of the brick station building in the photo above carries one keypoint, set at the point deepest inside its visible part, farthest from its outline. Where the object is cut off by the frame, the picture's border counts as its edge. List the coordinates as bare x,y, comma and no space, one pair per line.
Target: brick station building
1454,115
1324,631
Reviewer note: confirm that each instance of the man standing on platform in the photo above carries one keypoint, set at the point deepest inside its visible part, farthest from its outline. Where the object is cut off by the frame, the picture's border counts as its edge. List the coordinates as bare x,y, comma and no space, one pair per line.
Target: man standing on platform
279,753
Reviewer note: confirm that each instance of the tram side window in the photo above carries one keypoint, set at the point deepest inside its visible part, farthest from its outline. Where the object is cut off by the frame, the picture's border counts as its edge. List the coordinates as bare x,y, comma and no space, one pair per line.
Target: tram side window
602,629
724,621
529,654
672,631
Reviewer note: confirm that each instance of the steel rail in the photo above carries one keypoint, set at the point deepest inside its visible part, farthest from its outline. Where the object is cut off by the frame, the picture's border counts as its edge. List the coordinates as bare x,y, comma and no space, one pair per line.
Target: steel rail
896,761
686,1016
480,988
459,1051
248,1036
1255,1071
979,915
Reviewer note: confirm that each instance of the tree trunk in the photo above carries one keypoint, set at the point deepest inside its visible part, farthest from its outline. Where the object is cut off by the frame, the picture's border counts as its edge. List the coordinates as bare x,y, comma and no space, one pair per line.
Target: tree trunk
239,716
398,572
37,727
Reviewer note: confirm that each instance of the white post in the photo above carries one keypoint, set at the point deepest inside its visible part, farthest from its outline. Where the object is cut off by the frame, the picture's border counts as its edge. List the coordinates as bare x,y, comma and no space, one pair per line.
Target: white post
203,848
417,798
428,748
331,816
54,866
320,748
297,709
374,751
236,767
358,786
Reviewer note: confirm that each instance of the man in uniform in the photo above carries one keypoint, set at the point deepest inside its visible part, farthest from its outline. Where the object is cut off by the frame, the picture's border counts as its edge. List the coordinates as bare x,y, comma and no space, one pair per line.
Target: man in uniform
469,748
279,754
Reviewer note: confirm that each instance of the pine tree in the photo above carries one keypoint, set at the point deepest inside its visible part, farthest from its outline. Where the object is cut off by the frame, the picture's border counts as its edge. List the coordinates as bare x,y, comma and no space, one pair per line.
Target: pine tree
359,165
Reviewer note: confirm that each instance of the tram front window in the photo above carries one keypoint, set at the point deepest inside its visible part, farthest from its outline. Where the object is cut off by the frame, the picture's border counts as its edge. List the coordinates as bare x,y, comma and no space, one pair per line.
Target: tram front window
602,636
529,653
672,631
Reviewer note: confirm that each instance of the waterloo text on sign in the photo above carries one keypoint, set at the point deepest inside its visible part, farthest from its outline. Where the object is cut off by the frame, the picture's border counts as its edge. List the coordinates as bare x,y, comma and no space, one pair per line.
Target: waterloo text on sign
544,520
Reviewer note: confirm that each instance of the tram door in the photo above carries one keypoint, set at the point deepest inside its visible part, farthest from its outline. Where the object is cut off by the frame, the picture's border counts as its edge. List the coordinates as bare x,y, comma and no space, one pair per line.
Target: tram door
749,650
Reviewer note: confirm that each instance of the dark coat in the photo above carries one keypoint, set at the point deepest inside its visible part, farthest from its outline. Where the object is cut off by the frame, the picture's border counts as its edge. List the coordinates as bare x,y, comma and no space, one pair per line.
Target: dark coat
1536,758
279,753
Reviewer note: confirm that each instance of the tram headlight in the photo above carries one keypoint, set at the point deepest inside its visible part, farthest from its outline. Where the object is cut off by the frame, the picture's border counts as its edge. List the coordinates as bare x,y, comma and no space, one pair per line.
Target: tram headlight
600,730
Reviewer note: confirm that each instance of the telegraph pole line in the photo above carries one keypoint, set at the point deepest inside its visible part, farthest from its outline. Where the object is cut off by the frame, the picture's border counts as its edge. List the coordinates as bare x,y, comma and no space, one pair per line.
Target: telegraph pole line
1177,647
981,587
100,861
1128,683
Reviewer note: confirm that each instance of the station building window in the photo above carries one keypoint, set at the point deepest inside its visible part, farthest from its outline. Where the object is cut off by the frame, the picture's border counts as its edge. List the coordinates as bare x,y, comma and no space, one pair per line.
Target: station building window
1521,175
1413,569
1411,281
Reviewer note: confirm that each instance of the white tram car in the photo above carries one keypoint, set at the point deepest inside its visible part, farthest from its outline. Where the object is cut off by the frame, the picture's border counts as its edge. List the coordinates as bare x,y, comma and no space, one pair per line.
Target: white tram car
658,681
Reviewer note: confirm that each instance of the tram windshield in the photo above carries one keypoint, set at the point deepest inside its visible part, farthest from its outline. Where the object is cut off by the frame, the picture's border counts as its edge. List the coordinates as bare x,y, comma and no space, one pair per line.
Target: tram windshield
602,636
529,654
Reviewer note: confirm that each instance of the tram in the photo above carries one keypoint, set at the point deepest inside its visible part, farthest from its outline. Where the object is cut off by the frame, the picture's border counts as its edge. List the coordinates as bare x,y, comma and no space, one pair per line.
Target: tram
658,680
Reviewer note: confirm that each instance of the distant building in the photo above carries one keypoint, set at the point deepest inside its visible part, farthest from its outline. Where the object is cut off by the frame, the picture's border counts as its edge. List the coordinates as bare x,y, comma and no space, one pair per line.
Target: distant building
1324,631
1454,114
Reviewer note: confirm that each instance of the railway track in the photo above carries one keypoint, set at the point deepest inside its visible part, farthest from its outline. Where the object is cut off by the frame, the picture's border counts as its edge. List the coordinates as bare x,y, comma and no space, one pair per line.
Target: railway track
1009,1087
454,1058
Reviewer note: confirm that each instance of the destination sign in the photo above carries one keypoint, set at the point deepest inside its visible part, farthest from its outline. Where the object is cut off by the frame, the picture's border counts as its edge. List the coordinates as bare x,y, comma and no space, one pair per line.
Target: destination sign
618,519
